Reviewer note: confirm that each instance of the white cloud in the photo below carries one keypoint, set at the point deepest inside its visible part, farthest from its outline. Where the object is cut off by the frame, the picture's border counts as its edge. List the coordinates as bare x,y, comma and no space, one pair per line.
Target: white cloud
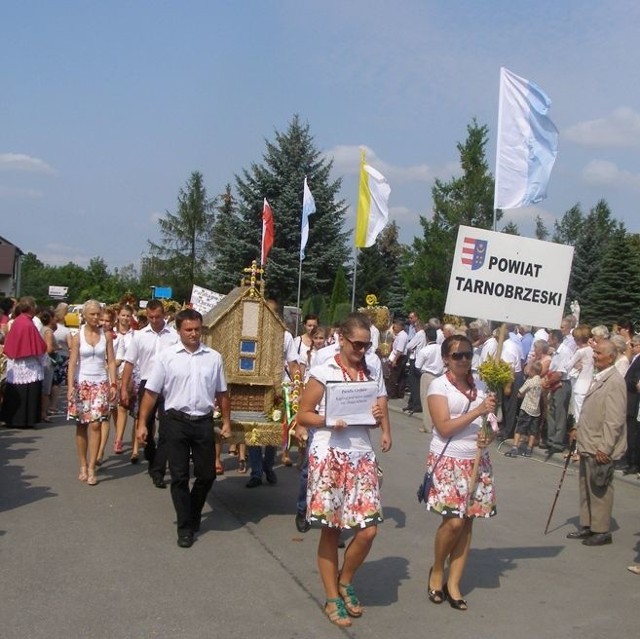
619,129
605,173
60,254
346,161
23,162
7,192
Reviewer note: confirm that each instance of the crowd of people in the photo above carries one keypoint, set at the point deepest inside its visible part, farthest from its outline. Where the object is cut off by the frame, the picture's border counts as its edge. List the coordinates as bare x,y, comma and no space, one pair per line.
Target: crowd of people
576,384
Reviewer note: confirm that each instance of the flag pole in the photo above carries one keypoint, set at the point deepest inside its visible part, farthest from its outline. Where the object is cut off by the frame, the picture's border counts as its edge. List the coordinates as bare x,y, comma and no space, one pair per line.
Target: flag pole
353,290
298,298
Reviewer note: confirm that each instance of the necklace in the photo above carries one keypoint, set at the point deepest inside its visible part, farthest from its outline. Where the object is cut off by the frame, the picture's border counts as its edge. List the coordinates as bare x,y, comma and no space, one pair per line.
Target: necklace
345,373
470,393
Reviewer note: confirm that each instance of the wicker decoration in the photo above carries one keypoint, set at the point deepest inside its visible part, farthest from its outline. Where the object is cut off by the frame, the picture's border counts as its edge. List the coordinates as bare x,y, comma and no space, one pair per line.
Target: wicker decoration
250,337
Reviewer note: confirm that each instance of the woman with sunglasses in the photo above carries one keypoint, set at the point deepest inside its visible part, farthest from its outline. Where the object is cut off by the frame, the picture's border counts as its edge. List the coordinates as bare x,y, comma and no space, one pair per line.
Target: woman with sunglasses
457,404
343,491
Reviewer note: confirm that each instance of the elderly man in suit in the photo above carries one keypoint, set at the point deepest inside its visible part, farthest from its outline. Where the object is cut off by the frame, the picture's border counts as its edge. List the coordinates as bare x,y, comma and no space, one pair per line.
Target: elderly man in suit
602,439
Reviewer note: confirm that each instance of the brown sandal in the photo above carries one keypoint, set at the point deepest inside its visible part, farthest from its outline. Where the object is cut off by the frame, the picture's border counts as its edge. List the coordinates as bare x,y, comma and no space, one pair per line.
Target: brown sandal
338,613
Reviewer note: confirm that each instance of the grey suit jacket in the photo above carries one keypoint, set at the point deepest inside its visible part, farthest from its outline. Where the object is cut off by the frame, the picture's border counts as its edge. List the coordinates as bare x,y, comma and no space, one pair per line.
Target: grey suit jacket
603,424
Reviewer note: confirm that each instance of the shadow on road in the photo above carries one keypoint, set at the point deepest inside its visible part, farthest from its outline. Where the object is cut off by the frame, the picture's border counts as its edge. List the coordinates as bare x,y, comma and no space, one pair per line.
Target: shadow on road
486,566
16,487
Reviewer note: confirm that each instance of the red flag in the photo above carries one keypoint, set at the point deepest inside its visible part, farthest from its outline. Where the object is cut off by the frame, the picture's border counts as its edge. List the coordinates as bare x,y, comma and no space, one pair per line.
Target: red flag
267,231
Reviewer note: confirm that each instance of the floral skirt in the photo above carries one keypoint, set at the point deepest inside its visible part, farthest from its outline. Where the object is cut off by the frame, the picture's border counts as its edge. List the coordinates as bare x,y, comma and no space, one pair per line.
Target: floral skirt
343,491
91,402
451,485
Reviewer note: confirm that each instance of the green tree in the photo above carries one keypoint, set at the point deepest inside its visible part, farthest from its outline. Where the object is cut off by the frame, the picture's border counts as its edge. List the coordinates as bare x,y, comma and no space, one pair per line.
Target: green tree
567,230
280,178
185,244
541,232
596,231
316,305
466,200
227,270
35,277
615,292
340,293
511,228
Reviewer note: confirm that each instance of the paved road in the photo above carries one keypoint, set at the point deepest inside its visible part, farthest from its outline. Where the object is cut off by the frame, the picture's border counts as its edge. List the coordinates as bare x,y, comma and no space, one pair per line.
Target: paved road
102,562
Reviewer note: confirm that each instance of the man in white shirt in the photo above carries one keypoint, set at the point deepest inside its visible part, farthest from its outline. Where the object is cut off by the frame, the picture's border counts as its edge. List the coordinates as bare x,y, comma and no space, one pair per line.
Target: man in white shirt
145,346
415,344
190,377
559,386
512,355
429,363
397,361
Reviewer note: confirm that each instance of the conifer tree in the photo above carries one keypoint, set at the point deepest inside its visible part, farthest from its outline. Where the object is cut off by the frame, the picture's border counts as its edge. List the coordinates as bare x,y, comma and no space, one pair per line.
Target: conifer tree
226,273
280,178
466,200
185,246
615,292
596,230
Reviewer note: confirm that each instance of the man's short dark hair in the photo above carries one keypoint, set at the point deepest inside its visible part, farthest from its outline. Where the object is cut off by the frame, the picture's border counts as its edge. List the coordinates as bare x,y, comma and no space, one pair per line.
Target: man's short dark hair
187,314
154,304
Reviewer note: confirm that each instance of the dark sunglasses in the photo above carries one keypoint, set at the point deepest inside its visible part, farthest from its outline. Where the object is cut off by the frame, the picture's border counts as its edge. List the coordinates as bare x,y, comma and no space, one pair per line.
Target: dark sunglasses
462,354
359,346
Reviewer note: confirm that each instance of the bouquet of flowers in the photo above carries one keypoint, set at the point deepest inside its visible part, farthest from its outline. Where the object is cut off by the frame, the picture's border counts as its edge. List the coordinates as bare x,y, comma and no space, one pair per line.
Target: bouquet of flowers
497,375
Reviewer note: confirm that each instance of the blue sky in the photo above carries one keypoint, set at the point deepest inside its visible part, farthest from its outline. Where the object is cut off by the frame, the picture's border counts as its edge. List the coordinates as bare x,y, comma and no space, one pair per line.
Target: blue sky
107,107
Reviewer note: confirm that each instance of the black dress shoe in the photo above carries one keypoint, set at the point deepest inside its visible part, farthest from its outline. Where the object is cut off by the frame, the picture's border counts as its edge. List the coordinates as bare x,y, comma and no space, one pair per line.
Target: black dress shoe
158,482
456,604
302,524
253,482
583,533
598,539
272,478
435,596
185,540
543,446
630,470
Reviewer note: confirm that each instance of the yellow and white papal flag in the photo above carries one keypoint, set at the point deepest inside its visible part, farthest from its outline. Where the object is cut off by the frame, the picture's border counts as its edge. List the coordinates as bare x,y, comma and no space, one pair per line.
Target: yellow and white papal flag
373,205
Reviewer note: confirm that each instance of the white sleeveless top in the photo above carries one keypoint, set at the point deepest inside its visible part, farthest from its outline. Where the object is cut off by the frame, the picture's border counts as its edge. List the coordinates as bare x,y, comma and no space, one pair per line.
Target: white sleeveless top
93,359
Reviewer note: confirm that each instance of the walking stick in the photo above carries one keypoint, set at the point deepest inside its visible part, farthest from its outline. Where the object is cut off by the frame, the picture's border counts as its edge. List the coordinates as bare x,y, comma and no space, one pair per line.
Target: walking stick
564,472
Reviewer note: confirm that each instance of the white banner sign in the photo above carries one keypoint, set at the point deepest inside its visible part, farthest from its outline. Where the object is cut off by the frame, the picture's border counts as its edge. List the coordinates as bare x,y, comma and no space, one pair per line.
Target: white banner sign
203,300
58,291
507,278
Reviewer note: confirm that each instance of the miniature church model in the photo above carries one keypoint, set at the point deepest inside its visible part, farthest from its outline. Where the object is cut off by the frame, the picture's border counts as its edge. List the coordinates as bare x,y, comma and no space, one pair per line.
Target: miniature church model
249,335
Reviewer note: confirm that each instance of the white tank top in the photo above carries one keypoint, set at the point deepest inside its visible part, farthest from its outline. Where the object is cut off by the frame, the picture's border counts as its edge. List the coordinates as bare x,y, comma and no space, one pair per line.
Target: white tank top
93,359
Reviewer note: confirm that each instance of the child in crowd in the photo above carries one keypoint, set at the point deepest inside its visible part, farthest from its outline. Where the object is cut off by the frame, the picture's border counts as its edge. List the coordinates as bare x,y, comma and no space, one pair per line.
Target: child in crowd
318,337
529,416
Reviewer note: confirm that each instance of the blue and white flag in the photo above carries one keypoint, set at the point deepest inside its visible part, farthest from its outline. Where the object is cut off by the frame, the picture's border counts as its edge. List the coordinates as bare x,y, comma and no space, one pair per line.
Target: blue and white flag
527,143
308,208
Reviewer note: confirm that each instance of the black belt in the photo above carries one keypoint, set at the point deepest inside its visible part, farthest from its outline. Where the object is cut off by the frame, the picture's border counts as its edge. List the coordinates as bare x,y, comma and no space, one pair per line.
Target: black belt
185,417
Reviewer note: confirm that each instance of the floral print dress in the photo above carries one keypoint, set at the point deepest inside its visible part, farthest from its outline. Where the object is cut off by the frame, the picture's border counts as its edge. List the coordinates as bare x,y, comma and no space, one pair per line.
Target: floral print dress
343,490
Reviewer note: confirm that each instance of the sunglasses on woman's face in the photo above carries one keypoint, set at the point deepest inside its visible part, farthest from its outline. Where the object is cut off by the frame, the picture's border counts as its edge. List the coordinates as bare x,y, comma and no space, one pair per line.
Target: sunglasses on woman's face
359,346
462,354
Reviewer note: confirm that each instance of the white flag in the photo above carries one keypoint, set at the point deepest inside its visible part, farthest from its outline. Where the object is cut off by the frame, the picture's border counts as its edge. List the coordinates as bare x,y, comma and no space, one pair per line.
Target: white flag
527,143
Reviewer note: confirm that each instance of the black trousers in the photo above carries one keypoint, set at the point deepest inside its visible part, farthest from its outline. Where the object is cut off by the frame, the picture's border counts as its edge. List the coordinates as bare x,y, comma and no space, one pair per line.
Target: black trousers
633,441
155,455
413,380
511,406
183,440
397,378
